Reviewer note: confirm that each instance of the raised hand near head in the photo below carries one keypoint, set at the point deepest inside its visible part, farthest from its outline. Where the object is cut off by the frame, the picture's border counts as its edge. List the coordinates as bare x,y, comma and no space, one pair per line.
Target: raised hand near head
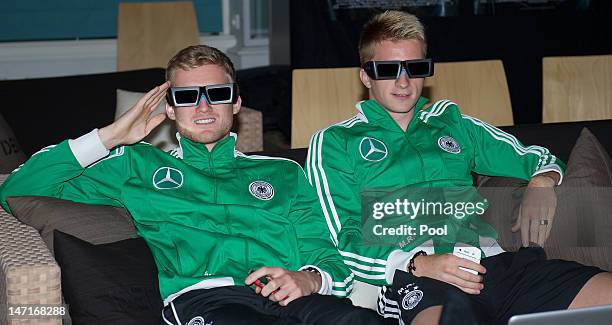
137,122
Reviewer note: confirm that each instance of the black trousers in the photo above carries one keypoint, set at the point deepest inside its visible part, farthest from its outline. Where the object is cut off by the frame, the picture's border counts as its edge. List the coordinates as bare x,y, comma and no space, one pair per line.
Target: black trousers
241,305
515,283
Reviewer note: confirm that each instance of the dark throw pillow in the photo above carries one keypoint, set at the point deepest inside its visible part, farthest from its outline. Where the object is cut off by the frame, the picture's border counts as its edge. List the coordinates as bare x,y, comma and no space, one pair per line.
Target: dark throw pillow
583,225
97,224
589,163
11,155
582,229
112,283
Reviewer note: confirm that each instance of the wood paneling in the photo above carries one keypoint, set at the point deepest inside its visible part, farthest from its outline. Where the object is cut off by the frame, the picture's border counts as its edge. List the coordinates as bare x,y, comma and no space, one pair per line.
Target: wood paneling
479,88
321,97
149,34
577,88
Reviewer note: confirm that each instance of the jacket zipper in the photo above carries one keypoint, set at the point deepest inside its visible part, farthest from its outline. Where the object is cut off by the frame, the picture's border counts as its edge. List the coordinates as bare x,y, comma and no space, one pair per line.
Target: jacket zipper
212,171
246,253
417,151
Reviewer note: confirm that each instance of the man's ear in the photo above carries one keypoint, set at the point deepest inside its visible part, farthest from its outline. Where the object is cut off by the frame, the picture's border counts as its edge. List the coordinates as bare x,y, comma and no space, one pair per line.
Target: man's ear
170,112
236,106
365,79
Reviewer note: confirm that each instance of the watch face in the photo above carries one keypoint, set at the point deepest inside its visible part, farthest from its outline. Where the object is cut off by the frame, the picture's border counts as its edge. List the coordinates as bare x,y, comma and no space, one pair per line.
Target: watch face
311,269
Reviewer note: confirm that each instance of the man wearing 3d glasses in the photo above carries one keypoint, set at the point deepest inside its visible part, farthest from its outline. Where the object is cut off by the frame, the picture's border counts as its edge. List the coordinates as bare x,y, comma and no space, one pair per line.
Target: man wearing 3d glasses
237,239
396,141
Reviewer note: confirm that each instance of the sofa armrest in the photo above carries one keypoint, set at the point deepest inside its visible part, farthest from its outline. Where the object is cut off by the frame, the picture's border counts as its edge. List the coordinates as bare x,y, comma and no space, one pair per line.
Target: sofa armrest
28,273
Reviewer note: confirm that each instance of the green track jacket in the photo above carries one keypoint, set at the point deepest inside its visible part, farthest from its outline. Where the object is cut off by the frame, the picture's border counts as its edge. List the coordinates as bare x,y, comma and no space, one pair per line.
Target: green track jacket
440,148
208,217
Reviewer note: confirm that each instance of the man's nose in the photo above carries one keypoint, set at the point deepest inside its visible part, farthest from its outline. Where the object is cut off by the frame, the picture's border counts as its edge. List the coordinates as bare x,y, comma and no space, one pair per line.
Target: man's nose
204,106
403,80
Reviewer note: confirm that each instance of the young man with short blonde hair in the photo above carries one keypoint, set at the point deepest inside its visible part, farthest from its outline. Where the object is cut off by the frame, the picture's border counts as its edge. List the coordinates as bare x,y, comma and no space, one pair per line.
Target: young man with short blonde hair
219,223
396,141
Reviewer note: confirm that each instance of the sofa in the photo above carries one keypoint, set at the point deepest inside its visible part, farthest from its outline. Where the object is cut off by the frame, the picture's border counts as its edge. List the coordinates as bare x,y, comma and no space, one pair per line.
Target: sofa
31,274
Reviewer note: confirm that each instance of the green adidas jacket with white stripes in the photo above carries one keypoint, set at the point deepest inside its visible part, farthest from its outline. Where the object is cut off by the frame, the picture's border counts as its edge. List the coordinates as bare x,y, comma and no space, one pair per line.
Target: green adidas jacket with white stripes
208,217
440,148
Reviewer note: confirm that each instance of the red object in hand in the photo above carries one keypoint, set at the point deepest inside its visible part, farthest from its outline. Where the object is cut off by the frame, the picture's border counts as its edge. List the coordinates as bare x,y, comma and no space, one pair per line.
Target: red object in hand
261,283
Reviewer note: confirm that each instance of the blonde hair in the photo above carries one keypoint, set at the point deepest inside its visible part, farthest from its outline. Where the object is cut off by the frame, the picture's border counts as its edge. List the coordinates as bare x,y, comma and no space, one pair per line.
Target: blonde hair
198,55
390,25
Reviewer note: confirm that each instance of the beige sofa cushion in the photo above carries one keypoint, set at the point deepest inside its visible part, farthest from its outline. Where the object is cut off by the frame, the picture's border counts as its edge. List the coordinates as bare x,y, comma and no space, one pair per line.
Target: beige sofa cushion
162,136
97,224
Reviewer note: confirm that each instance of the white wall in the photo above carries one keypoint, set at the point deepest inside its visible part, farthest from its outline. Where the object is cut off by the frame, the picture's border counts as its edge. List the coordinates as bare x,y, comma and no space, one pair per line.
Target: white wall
20,60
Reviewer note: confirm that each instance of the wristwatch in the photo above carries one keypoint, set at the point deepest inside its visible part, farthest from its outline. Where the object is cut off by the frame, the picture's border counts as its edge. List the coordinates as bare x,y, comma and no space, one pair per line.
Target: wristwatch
311,269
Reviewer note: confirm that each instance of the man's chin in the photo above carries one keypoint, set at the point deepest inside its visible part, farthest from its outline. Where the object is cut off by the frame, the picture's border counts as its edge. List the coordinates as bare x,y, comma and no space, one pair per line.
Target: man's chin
205,137
400,109
400,106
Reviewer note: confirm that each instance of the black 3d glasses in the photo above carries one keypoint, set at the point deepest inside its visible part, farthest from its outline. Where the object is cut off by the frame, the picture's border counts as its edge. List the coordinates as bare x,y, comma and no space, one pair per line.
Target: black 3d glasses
191,96
386,70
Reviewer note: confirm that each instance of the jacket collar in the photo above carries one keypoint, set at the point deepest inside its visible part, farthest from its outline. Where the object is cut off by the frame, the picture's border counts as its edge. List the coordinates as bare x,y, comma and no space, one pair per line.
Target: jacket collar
378,115
196,154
